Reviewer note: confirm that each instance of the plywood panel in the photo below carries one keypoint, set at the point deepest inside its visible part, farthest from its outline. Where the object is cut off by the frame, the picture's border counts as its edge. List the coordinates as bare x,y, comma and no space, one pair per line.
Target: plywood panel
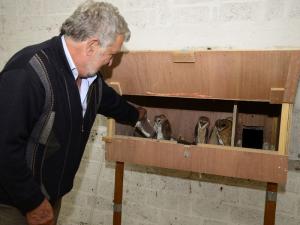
267,166
144,152
238,75
247,164
292,78
276,95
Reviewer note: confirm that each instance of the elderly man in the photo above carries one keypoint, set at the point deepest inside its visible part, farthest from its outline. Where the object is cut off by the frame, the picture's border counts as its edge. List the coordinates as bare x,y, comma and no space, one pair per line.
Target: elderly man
49,97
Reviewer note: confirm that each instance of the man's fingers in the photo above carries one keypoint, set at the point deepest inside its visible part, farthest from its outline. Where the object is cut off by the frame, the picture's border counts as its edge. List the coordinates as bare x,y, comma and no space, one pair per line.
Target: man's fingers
42,215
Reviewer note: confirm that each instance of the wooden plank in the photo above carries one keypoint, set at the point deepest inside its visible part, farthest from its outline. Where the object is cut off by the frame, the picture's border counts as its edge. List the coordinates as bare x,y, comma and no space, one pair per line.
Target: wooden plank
183,57
234,121
289,129
247,164
118,193
266,166
274,133
292,79
276,95
235,75
270,204
119,170
139,152
111,130
285,121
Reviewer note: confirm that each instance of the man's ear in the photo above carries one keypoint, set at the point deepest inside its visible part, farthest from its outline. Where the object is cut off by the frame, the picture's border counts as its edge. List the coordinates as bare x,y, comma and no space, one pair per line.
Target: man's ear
92,45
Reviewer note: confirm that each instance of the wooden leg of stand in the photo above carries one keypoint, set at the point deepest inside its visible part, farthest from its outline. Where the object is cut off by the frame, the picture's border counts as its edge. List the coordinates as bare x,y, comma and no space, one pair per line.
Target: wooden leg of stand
119,173
270,207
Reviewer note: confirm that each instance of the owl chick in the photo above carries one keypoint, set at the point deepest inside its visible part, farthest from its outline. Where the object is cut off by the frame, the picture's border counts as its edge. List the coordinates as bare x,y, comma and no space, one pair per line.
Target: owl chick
224,131
201,130
221,133
162,127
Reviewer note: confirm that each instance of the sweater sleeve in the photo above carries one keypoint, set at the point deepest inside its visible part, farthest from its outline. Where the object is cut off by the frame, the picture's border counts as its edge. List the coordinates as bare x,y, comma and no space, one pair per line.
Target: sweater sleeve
21,101
113,105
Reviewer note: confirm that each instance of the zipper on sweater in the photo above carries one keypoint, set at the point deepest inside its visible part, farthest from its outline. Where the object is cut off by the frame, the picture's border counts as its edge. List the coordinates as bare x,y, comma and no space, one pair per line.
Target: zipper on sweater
82,127
91,88
82,124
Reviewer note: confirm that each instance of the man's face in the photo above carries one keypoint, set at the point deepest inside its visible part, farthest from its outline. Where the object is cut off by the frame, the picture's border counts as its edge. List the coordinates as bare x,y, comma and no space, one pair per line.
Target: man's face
103,56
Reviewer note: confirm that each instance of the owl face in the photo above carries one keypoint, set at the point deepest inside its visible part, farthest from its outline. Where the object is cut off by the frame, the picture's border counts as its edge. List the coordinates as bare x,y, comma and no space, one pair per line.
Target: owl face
162,127
203,122
223,124
158,121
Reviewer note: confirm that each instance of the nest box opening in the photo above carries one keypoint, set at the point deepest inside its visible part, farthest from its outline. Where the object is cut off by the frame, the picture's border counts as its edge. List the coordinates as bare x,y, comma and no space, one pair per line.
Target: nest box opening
252,137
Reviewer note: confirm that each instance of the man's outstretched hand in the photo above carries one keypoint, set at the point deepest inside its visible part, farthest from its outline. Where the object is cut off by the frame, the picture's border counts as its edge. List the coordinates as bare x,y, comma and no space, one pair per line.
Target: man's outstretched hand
143,124
42,215
142,113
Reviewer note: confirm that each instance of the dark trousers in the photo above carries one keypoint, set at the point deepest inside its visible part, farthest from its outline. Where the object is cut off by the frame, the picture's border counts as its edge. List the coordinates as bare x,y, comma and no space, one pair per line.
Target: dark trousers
12,216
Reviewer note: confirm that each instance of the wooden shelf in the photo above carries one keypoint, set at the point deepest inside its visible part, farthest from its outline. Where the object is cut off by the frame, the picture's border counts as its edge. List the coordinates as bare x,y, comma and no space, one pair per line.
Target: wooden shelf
267,166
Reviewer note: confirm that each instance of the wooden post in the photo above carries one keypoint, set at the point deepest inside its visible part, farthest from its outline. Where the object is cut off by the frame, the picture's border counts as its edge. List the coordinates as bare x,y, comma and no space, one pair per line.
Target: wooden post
234,122
270,207
285,123
119,173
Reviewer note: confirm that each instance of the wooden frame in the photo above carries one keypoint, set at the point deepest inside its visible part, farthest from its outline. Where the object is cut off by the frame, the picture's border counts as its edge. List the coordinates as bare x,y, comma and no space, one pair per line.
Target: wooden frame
256,76
285,124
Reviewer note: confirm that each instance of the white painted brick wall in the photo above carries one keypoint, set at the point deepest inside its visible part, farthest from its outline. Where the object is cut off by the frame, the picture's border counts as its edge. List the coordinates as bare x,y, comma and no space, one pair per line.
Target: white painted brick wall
155,196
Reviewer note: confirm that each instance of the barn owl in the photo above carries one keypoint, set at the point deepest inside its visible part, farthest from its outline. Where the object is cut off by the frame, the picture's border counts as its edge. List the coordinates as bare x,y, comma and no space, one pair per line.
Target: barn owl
162,127
201,130
221,133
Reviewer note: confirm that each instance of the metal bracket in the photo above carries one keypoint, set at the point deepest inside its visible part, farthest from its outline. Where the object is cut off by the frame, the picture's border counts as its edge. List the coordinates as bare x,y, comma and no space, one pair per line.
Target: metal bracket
117,207
271,196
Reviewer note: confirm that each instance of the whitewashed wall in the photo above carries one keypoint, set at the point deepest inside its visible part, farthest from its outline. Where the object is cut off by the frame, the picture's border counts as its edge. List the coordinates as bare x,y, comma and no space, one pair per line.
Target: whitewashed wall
163,197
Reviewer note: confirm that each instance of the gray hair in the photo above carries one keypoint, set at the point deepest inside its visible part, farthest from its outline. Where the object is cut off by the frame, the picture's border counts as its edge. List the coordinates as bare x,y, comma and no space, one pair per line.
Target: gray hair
96,19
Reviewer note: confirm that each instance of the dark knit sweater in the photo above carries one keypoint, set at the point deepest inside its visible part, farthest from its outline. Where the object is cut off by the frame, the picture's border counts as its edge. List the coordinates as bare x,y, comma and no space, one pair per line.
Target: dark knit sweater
22,98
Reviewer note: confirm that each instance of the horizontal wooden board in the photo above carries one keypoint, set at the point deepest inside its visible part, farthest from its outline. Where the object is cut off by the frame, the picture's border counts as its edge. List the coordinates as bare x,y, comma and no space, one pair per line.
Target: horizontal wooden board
266,166
237,75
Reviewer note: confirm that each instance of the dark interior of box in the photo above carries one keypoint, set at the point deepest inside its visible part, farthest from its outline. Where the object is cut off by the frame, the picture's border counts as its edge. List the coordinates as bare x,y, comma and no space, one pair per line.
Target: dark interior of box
257,123
252,137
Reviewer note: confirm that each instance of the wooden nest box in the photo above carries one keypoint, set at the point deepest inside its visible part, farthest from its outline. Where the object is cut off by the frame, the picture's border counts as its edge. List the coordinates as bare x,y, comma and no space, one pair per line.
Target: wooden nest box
256,89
